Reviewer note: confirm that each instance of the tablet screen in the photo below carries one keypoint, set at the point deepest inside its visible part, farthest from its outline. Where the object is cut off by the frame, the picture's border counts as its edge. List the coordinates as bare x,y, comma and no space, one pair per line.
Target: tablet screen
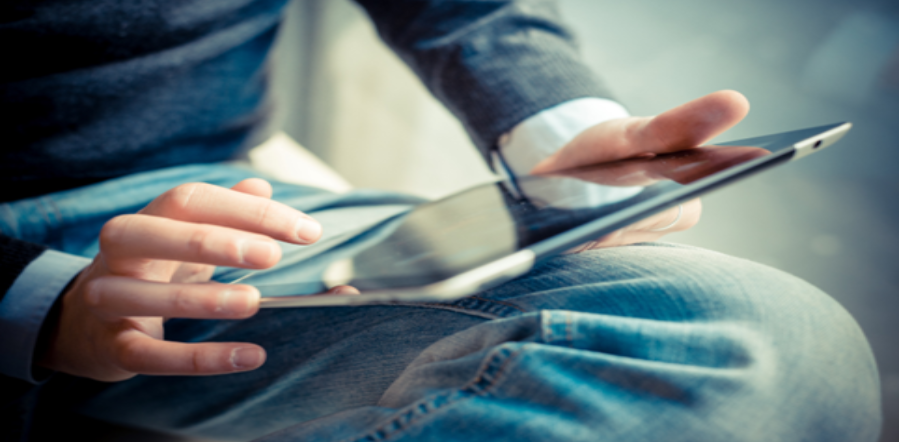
441,239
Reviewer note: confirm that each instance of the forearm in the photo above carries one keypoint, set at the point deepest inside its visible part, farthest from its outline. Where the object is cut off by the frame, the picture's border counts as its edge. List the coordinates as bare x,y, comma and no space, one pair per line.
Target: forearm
493,64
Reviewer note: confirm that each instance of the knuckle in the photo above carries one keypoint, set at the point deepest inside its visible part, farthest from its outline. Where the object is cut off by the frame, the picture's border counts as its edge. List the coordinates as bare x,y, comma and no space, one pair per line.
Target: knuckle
203,359
267,215
93,292
181,301
128,357
233,251
199,241
114,229
214,302
179,199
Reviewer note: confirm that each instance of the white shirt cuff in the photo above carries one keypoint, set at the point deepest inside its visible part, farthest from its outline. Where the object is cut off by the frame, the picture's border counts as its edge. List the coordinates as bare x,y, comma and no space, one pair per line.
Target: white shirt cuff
27,304
541,135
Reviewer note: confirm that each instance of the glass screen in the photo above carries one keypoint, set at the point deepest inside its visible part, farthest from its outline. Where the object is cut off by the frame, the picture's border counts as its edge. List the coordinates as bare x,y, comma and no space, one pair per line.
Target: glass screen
440,239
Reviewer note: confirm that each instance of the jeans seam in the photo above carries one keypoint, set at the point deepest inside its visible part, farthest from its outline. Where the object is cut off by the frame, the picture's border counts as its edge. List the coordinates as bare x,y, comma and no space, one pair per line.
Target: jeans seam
493,301
488,376
470,310
453,308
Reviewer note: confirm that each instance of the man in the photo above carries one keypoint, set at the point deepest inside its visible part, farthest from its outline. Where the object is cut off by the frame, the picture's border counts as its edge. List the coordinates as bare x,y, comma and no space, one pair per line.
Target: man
117,132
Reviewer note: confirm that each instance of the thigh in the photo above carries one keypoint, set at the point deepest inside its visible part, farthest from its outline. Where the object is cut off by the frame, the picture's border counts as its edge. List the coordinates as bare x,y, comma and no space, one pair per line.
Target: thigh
320,362
635,343
642,343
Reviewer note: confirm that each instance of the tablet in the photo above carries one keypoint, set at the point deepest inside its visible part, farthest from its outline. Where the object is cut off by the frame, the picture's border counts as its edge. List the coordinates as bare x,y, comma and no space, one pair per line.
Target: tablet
444,250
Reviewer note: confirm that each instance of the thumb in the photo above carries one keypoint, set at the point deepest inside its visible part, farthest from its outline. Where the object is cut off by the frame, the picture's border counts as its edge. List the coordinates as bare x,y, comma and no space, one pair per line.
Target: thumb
683,127
693,123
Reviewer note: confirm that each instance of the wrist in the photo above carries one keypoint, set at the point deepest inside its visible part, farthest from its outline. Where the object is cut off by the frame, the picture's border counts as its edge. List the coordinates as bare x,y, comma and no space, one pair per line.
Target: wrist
541,135
48,333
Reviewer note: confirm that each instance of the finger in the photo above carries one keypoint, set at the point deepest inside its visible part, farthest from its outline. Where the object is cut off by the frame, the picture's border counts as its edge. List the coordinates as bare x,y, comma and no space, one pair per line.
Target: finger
117,297
692,123
343,290
686,126
189,272
690,165
208,204
254,186
673,220
128,240
139,353
649,229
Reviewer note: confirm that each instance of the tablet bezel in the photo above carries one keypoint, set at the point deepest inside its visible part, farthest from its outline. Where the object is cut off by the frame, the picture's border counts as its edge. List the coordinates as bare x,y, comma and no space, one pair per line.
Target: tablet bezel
520,262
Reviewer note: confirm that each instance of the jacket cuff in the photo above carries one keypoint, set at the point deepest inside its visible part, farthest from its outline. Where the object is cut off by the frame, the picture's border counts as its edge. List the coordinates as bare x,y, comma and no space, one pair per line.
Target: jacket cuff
26,306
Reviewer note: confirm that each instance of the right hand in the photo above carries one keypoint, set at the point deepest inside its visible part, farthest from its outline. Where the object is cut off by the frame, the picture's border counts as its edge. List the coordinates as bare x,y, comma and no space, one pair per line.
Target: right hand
156,264
682,128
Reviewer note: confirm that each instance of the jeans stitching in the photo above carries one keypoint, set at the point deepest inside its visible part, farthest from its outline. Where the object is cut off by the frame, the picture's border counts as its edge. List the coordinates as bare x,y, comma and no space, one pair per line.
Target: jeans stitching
493,301
472,310
489,375
557,332
453,308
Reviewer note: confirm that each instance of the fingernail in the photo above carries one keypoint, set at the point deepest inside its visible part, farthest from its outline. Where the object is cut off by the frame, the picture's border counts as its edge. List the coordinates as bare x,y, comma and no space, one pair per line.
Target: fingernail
257,253
344,290
237,302
308,230
247,358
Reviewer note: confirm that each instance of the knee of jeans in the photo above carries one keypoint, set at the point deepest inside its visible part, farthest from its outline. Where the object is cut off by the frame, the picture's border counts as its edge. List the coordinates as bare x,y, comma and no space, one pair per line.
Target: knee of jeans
819,367
811,359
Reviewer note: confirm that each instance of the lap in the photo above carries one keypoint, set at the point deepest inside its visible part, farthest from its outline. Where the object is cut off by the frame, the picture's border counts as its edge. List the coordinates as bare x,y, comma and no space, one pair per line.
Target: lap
646,342
601,344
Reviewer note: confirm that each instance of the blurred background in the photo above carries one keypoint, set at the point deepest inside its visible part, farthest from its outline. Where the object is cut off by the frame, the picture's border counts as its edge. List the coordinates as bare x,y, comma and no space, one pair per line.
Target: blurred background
829,218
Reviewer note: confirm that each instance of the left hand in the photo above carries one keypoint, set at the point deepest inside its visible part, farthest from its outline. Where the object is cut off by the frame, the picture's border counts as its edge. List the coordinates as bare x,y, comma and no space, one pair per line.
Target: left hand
684,127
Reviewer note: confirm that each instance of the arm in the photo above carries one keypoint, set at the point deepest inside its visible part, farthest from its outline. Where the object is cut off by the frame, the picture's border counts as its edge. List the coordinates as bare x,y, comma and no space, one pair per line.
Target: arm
492,63
28,300
509,70
31,279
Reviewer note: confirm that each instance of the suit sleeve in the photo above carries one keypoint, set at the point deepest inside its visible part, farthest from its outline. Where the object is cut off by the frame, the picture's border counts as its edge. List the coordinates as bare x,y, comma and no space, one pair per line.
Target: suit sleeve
492,63
27,303
15,255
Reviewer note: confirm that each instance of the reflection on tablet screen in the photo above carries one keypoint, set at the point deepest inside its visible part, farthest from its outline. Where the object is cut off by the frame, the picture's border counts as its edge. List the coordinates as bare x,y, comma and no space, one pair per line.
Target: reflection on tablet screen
438,240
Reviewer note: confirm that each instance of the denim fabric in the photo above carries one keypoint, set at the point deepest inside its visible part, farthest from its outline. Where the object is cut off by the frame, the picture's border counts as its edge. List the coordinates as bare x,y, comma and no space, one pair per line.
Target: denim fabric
643,343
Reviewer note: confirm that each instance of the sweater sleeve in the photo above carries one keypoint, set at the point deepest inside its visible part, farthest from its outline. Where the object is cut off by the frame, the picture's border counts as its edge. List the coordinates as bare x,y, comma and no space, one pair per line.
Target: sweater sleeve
492,63
32,280
15,255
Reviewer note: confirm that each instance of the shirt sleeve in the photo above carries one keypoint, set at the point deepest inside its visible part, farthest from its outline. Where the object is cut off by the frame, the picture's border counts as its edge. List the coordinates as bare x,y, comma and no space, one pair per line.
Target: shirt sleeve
25,306
543,134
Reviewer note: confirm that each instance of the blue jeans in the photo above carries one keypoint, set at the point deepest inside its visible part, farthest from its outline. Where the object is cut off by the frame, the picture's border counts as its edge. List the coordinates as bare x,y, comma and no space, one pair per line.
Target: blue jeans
652,342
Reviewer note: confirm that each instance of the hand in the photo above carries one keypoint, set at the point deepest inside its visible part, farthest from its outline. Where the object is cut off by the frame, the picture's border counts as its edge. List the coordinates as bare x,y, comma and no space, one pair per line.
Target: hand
683,167
684,127
157,264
